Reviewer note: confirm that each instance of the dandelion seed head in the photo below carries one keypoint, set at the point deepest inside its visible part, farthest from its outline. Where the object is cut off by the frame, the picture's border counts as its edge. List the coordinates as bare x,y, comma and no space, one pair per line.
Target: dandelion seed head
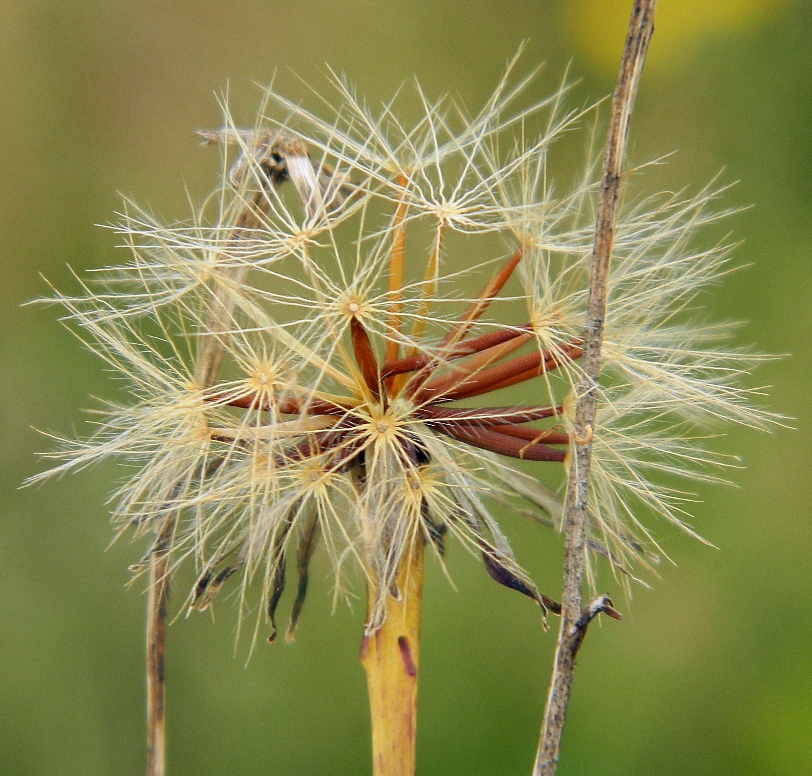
294,378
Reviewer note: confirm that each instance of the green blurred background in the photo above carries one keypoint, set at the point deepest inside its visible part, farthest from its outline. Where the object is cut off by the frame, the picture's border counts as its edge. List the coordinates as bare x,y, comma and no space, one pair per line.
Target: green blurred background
709,672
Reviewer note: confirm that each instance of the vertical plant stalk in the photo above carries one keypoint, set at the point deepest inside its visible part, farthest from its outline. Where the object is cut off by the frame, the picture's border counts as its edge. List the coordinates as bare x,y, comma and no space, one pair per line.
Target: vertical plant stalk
390,659
207,364
396,257
156,641
575,617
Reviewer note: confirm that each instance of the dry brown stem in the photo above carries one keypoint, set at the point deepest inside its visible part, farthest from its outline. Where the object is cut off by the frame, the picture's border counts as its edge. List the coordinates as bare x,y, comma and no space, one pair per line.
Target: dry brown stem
575,617
209,356
156,642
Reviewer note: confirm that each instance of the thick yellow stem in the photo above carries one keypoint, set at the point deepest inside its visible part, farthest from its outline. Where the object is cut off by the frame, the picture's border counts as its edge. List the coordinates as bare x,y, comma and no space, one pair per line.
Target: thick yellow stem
390,660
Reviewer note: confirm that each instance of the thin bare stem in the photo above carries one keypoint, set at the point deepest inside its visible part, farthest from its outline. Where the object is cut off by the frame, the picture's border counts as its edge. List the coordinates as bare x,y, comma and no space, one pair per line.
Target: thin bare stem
207,364
575,619
156,641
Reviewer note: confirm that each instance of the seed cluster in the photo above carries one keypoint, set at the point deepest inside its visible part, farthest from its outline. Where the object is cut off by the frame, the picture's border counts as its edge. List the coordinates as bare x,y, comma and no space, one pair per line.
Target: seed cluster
331,351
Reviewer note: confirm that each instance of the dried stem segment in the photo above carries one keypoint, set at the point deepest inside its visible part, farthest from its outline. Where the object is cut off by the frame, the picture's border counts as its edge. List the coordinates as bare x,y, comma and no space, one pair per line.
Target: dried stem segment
390,659
575,620
209,356
156,640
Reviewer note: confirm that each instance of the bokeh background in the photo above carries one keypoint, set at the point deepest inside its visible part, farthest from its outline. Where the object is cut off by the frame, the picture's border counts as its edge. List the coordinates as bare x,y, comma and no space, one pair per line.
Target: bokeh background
710,672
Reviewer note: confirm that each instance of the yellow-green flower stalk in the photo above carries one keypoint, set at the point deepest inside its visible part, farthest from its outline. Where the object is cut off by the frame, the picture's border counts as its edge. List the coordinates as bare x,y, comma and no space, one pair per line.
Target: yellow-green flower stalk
322,356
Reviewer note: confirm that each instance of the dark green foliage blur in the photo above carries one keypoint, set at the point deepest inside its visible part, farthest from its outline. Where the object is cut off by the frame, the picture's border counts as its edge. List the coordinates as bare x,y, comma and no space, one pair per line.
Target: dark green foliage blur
709,672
